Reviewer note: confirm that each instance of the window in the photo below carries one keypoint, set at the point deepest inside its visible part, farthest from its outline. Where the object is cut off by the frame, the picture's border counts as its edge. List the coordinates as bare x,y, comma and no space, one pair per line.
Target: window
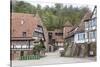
59,34
24,46
24,34
18,46
78,36
86,24
84,36
12,46
94,22
90,24
39,28
40,35
22,21
36,34
81,36
95,34
50,36
92,35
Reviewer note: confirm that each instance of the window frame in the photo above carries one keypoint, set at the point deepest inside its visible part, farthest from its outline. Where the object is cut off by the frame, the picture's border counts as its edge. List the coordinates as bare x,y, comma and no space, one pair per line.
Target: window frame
24,34
81,36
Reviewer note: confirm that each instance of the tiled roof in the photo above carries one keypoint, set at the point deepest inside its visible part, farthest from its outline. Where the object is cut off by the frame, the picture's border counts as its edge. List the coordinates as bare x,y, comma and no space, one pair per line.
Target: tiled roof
21,22
69,31
87,16
81,27
68,24
66,30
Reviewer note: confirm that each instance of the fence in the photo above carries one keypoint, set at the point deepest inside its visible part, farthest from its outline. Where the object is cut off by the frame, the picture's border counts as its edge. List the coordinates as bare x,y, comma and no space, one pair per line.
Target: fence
30,57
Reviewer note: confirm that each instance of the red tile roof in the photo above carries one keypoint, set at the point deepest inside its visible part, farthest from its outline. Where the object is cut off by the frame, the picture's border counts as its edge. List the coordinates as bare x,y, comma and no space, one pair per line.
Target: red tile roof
66,30
21,22
87,16
69,31
81,27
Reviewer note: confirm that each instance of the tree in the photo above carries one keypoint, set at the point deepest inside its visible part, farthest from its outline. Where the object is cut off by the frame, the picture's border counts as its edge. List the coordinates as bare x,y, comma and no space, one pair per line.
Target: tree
53,17
39,47
23,7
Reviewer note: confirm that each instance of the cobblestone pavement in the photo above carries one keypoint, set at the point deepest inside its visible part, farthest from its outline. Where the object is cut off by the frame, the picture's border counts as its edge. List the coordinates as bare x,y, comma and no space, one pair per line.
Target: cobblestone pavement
51,58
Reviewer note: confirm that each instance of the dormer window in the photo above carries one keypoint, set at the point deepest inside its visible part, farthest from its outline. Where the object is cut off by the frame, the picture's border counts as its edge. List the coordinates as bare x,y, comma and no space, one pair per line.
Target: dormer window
22,21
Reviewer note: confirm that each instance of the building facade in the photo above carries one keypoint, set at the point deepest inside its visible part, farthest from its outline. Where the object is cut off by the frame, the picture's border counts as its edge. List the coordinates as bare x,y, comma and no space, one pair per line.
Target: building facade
91,32
59,41
81,40
90,26
55,39
79,35
26,31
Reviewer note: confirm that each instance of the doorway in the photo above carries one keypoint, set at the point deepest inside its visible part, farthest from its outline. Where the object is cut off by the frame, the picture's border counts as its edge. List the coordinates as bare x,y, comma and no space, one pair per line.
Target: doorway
49,48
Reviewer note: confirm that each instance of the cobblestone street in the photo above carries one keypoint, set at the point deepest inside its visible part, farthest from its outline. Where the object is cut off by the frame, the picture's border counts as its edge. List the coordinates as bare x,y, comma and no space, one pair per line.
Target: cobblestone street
52,58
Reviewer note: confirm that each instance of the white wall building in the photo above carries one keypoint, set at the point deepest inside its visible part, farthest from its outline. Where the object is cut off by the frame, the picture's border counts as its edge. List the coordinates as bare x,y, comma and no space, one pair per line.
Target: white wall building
90,26
86,31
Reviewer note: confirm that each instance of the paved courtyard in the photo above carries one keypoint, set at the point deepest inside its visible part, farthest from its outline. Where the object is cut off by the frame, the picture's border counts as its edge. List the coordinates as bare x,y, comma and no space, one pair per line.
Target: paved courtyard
51,58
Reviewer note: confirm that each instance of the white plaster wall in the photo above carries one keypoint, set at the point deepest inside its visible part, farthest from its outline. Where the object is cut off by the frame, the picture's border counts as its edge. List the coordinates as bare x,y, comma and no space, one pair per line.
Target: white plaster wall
23,44
76,39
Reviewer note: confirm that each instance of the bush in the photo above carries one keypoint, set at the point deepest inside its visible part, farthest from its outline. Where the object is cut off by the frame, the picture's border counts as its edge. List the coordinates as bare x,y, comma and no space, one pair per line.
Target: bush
38,48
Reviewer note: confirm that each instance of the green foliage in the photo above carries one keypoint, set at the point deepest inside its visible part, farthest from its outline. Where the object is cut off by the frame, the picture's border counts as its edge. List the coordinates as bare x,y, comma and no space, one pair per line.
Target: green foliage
23,7
53,17
30,57
39,47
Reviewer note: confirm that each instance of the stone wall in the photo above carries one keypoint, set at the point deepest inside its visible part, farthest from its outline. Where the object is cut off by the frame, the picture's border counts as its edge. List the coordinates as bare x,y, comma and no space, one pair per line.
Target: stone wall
15,55
80,50
92,50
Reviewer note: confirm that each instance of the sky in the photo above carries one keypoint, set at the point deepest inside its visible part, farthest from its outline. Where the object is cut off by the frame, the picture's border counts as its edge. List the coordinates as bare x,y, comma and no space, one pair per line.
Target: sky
74,3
